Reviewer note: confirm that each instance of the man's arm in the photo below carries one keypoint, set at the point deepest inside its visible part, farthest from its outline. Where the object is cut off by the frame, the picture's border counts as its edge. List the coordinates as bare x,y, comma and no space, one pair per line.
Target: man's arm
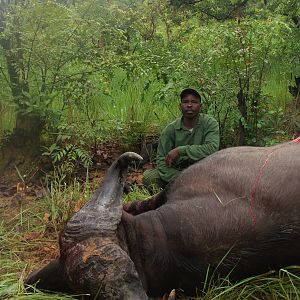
210,145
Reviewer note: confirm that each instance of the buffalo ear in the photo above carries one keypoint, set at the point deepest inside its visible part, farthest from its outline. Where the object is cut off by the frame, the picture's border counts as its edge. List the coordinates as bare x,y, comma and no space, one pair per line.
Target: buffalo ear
50,278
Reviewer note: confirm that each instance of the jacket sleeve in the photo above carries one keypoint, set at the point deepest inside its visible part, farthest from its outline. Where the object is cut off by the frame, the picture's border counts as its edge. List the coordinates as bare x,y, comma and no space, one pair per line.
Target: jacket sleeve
209,146
166,143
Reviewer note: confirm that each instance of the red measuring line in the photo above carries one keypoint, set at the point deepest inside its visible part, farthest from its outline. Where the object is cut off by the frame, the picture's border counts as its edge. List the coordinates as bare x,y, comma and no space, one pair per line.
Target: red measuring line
258,178
297,140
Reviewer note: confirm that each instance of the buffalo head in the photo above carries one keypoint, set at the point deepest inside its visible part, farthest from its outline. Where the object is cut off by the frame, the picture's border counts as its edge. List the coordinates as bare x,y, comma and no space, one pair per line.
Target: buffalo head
93,253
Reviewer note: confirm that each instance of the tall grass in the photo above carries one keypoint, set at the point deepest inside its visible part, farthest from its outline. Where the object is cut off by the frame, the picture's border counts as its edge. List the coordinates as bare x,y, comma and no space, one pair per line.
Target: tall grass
283,285
129,108
277,86
62,201
7,118
123,109
29,239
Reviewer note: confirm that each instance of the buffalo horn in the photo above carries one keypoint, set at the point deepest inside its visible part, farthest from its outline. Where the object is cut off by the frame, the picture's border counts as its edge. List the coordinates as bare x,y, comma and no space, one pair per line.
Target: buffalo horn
103,212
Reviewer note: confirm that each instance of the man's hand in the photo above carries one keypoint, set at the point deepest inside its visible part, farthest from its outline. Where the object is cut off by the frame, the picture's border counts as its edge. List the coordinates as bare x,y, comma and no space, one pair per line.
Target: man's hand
171,156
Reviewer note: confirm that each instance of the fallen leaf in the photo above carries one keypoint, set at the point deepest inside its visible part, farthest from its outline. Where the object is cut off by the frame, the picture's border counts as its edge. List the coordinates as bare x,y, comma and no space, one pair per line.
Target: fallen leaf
139,178
21,187
46,218
31,236
78,205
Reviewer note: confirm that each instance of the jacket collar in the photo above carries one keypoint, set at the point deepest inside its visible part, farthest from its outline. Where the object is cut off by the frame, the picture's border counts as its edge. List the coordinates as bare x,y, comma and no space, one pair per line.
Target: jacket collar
179,123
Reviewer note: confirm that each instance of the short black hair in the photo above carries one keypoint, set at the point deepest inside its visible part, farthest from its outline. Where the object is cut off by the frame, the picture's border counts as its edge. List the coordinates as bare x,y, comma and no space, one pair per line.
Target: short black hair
190,91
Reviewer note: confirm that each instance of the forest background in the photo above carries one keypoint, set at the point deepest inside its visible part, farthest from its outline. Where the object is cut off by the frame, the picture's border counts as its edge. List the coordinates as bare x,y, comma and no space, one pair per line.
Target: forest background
75,75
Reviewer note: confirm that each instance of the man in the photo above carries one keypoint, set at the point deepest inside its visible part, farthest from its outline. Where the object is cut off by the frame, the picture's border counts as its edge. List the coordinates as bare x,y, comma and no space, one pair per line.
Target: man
185,141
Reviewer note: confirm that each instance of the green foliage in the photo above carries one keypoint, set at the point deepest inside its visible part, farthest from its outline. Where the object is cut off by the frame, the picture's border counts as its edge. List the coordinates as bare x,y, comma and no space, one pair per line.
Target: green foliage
282,285
66,154
7,120
235,58
96,70
138,193
132,109
62,201
69,153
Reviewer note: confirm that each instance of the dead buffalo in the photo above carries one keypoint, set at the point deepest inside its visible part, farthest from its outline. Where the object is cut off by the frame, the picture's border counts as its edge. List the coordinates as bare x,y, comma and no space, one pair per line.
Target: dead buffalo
236,212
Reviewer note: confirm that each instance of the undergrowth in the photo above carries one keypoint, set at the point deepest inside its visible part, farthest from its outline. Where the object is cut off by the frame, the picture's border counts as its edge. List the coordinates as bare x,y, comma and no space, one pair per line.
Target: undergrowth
270,286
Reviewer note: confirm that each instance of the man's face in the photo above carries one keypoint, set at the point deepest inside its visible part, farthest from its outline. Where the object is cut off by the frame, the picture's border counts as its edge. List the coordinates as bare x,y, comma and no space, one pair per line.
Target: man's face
190,106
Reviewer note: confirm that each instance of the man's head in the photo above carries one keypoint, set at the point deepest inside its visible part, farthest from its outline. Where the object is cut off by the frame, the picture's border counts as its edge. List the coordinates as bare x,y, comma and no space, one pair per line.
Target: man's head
190,103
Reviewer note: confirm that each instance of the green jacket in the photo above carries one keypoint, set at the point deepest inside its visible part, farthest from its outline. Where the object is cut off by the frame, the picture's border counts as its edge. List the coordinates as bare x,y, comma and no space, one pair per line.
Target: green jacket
193,146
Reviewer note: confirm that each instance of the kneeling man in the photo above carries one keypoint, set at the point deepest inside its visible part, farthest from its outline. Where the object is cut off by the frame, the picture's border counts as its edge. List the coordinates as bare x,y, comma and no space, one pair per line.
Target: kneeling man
184,141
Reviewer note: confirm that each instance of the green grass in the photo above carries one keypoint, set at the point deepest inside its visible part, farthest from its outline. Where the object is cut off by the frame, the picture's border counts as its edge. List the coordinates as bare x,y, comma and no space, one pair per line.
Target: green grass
124,109
132,104
7,118
137,193
270,286
29,239
276,86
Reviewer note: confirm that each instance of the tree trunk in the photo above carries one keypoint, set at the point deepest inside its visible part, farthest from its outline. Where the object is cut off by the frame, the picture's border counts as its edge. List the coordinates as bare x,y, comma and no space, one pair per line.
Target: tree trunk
23,145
